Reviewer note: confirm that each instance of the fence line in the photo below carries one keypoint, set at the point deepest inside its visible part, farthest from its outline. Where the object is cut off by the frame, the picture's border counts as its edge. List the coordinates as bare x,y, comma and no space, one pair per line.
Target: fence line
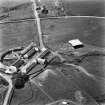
62,17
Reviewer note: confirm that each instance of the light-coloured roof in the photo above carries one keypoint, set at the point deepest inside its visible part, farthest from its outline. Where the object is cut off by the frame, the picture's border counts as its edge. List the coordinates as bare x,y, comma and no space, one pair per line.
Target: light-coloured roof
75,42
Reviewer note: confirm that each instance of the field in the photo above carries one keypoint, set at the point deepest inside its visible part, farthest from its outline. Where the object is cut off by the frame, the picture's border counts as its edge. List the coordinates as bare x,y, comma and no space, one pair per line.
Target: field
57,32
